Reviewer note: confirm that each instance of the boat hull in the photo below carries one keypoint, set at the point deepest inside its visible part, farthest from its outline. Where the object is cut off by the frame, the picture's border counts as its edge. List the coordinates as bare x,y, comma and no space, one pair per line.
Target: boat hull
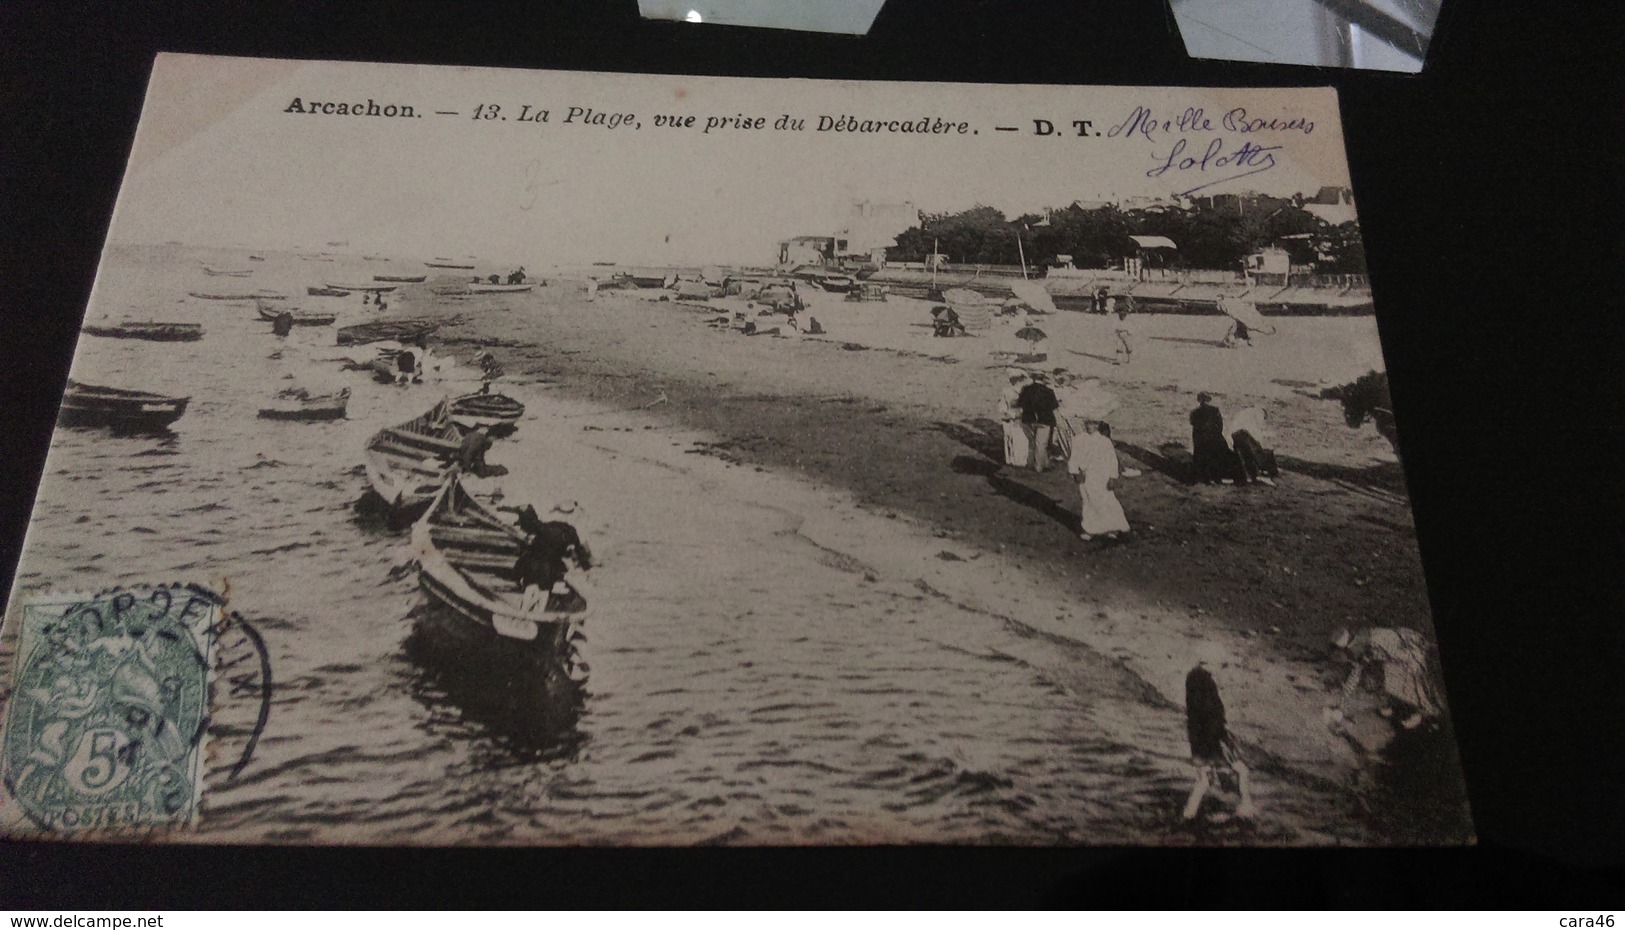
119,410
153,332
499,288
299,318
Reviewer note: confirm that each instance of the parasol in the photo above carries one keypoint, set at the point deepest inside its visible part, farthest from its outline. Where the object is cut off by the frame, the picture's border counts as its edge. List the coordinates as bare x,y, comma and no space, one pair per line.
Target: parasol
1244,310
1031,334
1033,295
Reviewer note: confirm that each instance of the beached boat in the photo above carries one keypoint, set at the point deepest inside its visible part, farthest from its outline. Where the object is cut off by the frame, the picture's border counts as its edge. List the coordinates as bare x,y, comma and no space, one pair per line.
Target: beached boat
406,464
326,292
498,288
374,287
399,330
156,332
466,556
200,295
300,317
448,264
493,410
120,409
836,283
300,404
401,278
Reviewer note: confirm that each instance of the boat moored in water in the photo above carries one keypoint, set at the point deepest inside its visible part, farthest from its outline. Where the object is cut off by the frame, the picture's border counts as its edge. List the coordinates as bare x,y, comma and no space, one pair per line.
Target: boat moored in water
155,332
407,464
300,317
120,409
466,562
200,295
401,278
300,404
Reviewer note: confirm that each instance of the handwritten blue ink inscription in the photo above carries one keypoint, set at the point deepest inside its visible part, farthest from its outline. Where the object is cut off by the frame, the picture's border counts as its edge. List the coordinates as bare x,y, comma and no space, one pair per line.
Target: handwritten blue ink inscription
1216,159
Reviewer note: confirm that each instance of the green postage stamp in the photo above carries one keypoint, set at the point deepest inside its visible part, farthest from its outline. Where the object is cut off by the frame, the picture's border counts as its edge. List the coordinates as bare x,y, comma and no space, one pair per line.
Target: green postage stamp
108,709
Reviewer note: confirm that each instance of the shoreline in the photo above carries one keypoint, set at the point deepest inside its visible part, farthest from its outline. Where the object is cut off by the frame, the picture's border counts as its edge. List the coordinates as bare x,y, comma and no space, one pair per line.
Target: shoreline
1268,591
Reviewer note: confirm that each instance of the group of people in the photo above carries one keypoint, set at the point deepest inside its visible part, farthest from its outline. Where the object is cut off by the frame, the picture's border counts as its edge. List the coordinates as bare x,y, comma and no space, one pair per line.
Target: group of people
1237,458
1035,414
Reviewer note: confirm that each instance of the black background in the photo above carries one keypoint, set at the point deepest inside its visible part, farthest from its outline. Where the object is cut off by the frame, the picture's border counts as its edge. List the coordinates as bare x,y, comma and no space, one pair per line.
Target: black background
1489,194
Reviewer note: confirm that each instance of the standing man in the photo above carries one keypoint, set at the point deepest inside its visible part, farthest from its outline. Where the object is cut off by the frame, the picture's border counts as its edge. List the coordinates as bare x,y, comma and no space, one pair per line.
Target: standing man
1038,404
1124,327
1211,457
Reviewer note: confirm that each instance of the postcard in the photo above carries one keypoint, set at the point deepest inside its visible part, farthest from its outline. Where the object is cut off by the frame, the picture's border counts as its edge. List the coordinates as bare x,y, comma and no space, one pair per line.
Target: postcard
457,456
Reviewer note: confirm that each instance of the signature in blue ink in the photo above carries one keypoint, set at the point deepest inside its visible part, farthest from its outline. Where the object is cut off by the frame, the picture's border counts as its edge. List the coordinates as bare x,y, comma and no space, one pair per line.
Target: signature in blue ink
1251,158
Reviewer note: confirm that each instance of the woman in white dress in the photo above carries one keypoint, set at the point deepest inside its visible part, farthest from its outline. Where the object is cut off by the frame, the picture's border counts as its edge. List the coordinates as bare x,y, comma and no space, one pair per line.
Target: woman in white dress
1094,465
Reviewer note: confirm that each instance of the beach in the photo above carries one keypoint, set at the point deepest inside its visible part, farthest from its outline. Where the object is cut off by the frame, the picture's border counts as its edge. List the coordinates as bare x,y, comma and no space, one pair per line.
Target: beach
902,424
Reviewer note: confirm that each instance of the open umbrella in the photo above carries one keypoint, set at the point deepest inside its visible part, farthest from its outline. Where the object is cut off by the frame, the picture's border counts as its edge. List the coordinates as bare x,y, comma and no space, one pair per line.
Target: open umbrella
1245,311
1033,295
1032,334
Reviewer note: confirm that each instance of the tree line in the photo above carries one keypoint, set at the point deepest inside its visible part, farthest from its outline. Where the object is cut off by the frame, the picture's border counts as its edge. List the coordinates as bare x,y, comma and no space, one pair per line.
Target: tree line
1208,236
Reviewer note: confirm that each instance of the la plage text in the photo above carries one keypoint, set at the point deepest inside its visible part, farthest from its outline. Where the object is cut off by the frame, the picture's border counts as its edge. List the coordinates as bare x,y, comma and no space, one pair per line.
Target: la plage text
351,108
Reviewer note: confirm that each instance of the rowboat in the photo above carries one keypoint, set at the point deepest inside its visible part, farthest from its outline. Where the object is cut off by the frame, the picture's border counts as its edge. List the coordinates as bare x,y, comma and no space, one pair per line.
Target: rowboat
157,332
204,296
466,556
401,330
256,258
300,317
374,287
326,292
120,409
401,278
235,273
448,264
406,464
498,288
299,404
836,283
493,410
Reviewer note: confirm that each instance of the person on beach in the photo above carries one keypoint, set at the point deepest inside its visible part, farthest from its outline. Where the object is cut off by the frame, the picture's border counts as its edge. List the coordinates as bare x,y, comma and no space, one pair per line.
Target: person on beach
1256,461
1238,334
1211,456
592,289
1017,449
1082,399
1124,327
1393,662
1094,464
1037,403
471,451
1213,749
490,369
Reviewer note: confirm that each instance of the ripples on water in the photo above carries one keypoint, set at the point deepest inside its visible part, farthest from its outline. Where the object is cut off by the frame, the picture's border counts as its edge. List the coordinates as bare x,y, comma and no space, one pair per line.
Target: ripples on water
744,687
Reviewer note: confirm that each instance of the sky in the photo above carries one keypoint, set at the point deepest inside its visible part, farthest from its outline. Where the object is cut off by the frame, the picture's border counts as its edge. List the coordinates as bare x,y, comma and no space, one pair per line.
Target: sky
218,160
